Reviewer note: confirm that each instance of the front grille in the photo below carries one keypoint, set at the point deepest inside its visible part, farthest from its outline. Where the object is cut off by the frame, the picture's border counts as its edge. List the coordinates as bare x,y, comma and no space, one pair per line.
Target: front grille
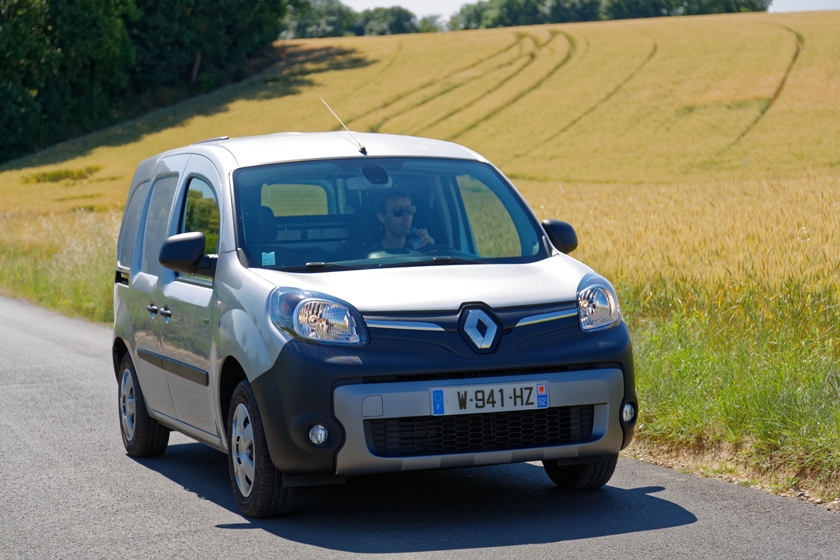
466,433
482,373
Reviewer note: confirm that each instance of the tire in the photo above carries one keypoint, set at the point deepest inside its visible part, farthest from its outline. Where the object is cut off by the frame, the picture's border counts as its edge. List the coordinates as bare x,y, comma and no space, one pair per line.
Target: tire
587,476
142,435
257,484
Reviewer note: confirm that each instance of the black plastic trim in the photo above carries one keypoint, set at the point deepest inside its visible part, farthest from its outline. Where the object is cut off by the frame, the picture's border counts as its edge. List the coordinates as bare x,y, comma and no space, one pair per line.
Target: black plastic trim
297,391
186,371
151,357
175,367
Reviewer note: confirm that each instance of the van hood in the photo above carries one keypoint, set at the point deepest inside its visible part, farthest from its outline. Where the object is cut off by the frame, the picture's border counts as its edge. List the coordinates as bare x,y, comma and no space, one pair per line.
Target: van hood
443,287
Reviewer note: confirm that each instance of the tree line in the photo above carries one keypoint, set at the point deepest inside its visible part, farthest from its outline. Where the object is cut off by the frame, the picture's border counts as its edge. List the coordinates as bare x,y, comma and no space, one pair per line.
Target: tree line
331,18
68,67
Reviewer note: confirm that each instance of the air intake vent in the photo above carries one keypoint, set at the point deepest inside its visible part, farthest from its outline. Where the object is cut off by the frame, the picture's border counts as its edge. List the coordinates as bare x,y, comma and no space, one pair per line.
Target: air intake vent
467,433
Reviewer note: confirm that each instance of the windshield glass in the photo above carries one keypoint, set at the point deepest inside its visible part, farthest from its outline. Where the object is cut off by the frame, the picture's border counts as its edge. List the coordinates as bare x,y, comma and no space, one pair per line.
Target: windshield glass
361,213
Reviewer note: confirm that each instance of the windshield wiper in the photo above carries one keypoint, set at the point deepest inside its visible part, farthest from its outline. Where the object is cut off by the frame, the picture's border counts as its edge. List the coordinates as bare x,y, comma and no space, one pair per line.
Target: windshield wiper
434,262
317,266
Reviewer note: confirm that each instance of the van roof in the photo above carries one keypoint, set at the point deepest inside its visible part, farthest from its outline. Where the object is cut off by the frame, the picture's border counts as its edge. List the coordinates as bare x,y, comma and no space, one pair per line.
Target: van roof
297,146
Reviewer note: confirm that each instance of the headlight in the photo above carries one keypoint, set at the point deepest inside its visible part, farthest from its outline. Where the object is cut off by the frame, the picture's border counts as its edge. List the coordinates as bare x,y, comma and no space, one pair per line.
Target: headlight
597,304
316,317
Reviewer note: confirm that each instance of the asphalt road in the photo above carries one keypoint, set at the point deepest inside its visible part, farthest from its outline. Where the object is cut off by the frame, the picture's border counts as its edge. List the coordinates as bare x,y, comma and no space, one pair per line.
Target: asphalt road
68,489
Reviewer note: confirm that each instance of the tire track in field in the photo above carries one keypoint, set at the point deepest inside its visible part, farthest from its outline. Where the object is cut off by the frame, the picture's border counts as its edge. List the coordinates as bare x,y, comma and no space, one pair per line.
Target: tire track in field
594,107
463,106
379,73
800,44
377,126
432,82
554,34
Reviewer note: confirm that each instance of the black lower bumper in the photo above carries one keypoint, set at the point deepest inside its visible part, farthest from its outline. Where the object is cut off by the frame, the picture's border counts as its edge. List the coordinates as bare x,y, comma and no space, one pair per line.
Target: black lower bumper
297,391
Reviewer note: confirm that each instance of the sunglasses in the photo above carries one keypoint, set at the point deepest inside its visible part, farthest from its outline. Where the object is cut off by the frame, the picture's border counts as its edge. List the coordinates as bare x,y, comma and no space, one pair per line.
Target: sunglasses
400,210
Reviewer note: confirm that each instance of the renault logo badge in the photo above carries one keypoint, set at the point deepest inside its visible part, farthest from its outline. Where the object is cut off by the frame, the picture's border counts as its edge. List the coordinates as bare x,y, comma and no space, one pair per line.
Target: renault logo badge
480,329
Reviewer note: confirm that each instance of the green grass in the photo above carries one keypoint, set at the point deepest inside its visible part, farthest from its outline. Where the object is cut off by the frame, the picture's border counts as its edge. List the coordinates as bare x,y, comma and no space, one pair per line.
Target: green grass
60,175
755,372
63,262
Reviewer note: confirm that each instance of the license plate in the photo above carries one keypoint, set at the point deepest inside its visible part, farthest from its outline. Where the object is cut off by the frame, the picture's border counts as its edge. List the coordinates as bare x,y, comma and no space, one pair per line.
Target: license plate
502,397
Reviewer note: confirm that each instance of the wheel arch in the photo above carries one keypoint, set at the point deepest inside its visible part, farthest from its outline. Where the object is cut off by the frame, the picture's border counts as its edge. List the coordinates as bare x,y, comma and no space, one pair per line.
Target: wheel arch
230,375
118,352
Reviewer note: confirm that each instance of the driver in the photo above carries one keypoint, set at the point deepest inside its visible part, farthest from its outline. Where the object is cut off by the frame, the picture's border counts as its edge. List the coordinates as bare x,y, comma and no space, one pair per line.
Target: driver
396,213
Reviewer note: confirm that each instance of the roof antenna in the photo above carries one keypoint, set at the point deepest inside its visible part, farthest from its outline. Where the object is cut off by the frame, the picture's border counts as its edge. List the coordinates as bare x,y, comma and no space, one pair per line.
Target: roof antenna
362,149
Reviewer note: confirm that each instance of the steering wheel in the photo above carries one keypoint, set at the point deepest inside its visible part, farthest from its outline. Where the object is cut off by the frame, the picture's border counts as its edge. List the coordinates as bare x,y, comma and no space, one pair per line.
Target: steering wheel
434,248
386,253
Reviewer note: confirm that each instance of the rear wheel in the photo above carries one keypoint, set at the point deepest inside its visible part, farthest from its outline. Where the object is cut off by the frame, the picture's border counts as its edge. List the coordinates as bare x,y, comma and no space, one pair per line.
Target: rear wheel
142,435
257,484
587,476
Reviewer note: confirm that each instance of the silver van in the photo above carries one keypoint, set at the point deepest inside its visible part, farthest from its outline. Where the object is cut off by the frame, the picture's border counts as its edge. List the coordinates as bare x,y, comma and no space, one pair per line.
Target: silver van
323,305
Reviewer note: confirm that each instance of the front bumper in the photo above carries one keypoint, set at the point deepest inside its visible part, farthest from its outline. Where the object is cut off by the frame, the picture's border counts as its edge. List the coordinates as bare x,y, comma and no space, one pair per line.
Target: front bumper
314,383
601,389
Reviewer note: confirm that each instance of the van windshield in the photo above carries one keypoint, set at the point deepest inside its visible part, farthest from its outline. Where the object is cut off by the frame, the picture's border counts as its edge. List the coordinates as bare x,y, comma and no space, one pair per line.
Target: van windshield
373,212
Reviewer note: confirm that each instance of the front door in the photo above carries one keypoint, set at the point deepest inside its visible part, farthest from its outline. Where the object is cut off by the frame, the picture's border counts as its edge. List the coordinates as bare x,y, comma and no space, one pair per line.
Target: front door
189,303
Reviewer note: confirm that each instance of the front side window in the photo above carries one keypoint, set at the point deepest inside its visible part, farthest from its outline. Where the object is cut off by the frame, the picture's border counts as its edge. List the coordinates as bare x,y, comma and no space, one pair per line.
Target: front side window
201,213
492,226
380,212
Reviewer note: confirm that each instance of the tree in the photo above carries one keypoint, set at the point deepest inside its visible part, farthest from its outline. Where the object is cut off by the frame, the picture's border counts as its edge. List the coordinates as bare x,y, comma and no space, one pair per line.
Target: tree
628,9
504,13
623,9
695,7
386,21
472,16
27,59
518,12
431,24
180,41
319,18
62,63
563,11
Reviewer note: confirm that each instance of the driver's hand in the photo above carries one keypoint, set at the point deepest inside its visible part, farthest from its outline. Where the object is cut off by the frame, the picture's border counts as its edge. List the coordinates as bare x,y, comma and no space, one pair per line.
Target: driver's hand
424,237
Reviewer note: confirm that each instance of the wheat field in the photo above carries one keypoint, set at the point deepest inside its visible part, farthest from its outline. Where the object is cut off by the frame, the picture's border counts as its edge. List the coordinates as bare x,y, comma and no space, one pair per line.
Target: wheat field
698,159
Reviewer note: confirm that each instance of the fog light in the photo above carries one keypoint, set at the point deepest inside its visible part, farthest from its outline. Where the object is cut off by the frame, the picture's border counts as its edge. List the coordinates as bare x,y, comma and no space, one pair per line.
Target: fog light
318,434
628,413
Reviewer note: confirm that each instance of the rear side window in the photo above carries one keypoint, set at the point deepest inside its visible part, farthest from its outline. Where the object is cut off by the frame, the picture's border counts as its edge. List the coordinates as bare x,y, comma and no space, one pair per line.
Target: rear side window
286,199
132,220
157,222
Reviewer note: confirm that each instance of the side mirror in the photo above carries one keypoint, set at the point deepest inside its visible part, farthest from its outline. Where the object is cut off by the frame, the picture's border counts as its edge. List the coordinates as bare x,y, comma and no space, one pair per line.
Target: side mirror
561,235
185,253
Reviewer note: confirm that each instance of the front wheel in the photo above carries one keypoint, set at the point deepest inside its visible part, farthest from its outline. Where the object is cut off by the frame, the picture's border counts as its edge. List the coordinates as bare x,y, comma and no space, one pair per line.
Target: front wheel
257,484
587,476
142,435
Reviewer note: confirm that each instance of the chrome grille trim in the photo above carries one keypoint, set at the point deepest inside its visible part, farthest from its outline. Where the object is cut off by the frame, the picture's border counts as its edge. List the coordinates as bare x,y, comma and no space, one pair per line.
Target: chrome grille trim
545,317
405,325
